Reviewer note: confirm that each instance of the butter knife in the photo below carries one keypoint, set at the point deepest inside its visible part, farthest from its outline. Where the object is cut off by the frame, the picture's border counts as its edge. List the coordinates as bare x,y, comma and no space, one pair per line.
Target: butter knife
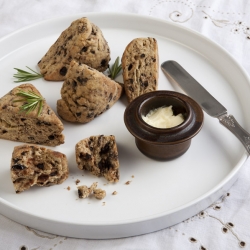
177,74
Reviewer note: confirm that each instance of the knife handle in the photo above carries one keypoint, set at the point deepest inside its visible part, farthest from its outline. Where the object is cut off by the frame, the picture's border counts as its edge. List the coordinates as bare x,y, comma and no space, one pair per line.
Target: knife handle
230,123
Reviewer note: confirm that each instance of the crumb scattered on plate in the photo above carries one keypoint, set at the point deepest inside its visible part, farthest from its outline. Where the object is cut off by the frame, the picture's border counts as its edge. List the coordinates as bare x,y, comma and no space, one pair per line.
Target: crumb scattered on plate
128,182
114,193
85,192
68,187
133,176
99,193
77,181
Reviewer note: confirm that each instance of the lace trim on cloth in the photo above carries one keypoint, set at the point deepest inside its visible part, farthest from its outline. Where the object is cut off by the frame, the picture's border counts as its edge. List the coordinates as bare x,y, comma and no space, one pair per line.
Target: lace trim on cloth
227,227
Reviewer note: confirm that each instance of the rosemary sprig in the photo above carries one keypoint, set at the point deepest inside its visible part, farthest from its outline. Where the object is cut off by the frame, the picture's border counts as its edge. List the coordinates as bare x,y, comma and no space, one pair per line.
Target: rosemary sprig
115,69
32,101
24,76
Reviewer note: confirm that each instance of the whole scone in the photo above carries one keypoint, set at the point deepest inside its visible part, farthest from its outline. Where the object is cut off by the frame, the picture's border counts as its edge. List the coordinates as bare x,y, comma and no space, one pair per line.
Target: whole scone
81,41
86,93
140,64
99,155
34,165
44,129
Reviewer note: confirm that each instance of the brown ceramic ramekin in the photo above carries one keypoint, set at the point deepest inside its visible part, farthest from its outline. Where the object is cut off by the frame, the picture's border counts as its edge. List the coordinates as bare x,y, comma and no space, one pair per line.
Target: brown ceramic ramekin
160,143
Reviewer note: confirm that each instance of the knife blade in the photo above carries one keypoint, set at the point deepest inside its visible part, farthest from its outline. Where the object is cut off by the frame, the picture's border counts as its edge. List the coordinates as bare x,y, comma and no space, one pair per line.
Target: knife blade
178,75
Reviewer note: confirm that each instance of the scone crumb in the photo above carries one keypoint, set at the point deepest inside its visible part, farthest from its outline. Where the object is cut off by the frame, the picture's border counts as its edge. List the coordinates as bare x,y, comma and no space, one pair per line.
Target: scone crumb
99,193
133,176
83,192
68,187
93,187
128,182
104,203
114,193
77,181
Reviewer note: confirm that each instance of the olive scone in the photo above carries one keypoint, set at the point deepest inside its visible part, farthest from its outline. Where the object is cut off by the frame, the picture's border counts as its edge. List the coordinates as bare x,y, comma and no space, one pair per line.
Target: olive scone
82,41
45,128
140,64
86,93
34,165
99,156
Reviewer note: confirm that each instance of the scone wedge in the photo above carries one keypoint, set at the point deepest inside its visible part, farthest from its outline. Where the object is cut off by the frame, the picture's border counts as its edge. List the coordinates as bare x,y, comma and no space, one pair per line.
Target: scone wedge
86,94
83,42
99,156
140,64
34,165
44,129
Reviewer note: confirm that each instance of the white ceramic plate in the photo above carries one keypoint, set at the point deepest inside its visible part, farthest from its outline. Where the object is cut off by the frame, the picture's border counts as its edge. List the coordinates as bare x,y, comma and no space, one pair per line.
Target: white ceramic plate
161,193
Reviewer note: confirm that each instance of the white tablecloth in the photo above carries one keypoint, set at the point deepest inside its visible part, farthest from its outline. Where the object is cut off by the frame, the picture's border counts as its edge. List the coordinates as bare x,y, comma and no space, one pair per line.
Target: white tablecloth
223,225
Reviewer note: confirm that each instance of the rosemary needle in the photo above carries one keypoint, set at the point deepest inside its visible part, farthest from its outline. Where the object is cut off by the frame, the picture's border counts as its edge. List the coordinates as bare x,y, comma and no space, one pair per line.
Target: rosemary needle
31,101
115,69
24,76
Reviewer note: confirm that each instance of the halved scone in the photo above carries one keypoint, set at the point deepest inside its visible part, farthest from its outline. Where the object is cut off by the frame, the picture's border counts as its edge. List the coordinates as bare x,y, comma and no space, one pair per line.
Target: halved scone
34,165
99,155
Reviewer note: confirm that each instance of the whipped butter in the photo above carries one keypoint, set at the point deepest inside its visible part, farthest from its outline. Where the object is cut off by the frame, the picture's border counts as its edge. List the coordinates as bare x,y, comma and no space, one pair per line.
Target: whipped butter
163,117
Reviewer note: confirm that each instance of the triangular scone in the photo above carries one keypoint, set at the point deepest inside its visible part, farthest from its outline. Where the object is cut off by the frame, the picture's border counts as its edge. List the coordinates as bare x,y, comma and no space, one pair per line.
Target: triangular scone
34,165
45,129
99,155
86,93
140,64
81,41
